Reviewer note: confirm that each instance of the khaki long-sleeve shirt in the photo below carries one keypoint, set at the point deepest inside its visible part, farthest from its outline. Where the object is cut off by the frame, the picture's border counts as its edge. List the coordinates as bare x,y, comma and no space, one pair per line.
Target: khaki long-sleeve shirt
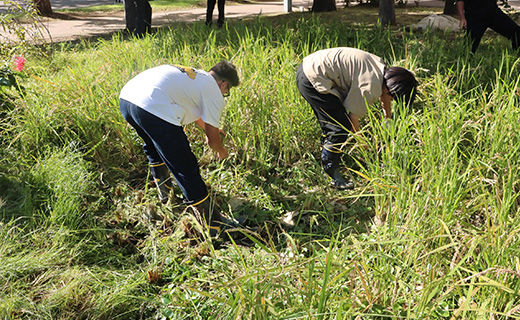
352,75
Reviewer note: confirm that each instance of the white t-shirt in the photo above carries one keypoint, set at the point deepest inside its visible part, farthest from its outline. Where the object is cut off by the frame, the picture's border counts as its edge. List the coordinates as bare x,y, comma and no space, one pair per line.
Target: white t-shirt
177,94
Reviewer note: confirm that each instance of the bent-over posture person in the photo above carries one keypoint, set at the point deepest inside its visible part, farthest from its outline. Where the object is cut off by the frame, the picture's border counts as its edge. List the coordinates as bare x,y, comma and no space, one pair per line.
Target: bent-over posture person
338,84
478,15
157,103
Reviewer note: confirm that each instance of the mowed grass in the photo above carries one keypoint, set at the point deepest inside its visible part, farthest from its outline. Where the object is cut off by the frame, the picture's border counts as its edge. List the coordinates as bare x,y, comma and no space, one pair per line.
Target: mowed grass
430,232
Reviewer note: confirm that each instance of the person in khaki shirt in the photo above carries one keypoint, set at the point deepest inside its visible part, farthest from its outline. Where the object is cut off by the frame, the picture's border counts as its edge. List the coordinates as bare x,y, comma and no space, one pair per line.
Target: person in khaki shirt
339,83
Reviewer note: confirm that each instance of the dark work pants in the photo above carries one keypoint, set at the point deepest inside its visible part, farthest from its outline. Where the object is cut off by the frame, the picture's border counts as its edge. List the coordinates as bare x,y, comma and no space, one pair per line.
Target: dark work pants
166,142
138,16
328,109
209,11
332,117
495,19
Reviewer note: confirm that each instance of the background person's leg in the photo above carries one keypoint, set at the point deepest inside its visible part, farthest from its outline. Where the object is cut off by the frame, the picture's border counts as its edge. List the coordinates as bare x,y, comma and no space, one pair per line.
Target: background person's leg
148,16
209,11
143,17
221,6
130,15
504,25
476,28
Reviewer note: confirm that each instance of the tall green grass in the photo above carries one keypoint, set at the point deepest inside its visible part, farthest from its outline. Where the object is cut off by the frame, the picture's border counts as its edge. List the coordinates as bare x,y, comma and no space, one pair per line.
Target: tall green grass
431,231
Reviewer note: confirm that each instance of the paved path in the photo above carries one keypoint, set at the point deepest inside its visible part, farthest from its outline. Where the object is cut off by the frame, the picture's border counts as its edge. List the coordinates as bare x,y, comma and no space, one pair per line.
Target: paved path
100,23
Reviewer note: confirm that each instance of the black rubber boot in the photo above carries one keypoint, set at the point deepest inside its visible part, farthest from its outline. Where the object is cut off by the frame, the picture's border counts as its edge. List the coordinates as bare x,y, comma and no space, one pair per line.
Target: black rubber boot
330,161
211,216
339,181
162,179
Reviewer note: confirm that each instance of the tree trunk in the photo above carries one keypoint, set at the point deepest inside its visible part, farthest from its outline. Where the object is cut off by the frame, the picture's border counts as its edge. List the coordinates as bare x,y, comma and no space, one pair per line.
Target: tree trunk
387,12
450,8
323,5
43,7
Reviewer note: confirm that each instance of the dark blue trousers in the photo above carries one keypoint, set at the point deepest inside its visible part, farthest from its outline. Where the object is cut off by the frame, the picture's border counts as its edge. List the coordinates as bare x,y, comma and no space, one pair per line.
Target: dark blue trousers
166,142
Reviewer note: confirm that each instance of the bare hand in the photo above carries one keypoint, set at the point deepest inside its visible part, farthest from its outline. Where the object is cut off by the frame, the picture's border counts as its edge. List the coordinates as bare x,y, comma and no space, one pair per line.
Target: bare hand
463,24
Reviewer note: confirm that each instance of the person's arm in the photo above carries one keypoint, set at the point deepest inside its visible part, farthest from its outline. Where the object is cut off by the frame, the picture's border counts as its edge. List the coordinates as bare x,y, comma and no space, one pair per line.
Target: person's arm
386,105
214,140
462,18
202,125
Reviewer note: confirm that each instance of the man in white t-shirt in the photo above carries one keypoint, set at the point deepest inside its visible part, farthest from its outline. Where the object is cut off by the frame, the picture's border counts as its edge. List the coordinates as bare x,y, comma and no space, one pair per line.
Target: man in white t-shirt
157,103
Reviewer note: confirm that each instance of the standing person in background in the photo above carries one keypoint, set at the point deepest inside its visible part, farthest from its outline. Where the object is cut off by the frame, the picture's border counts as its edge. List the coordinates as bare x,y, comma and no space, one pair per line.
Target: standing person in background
157,103
478,15
209,12
338,84
138,17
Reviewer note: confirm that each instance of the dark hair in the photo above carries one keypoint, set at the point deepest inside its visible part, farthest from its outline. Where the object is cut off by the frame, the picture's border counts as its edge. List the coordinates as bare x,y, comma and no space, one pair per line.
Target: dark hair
226,71
401,84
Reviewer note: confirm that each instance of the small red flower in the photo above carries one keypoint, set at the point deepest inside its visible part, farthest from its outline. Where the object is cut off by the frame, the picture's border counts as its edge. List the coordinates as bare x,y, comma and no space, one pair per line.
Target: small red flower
19,63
